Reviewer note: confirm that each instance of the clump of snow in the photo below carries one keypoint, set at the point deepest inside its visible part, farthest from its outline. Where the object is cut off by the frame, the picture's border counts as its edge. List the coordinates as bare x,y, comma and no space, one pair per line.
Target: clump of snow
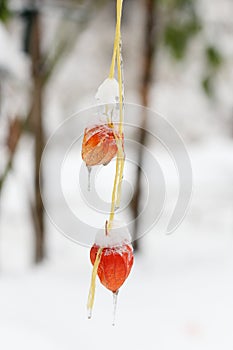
118,235
108,91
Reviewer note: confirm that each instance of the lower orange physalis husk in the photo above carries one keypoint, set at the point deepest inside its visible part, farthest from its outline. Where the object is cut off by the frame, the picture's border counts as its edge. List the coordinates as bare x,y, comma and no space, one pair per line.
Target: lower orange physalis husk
114,266
112,259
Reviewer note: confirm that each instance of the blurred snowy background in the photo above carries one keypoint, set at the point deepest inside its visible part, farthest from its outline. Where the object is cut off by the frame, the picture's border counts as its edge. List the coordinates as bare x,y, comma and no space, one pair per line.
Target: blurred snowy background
178,60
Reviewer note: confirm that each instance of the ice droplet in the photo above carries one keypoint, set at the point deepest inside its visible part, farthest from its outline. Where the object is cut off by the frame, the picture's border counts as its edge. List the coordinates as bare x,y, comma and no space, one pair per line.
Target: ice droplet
89,178
89,314
115,294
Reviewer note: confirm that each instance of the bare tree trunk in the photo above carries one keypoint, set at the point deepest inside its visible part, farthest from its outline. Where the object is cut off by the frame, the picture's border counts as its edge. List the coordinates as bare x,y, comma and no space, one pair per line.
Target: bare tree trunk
0,98
37,122
147,73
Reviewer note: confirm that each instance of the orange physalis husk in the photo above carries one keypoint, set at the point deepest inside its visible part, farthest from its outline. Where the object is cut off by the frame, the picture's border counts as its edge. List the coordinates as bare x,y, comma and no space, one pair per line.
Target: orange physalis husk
114,266
116,258
99,144
112,259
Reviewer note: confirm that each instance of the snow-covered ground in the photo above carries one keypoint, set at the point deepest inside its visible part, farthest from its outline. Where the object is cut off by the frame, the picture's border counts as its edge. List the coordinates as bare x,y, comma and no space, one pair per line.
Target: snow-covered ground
180,292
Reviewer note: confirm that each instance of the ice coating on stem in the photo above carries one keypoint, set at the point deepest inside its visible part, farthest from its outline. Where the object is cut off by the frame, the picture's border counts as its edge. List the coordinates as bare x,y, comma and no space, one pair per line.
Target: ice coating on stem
108,92
118,235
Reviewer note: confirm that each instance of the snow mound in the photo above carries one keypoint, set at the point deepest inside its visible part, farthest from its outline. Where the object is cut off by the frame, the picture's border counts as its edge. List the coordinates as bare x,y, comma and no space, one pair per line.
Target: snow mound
108,91
118,235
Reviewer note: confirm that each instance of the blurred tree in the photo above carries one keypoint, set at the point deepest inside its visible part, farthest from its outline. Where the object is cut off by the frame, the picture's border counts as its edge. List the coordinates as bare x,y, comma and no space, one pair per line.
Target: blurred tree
43,66
33,47
4,11
168,23
171,24
149,46
181,23
213,60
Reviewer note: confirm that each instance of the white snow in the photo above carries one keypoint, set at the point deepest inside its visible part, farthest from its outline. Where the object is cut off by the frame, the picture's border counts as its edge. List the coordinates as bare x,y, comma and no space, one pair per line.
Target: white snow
179,292
118,235
108,91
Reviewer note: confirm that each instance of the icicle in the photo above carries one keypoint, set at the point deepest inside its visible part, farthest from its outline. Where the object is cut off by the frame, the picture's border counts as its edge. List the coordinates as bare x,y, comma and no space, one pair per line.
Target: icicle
89,178
89,314
115,294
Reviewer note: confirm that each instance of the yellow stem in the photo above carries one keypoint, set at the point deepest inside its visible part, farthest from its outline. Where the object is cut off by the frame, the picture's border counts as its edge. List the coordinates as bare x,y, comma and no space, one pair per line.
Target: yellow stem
118,196
120,82
117,37
116,192
112,68
120,153
121,119
91,295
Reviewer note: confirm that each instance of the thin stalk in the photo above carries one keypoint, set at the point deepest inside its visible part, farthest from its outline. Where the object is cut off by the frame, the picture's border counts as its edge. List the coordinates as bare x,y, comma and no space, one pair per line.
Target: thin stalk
120,157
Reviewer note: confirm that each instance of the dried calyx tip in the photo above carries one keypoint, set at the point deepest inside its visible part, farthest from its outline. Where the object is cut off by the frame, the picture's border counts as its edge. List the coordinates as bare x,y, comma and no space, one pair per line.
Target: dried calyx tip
106,228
